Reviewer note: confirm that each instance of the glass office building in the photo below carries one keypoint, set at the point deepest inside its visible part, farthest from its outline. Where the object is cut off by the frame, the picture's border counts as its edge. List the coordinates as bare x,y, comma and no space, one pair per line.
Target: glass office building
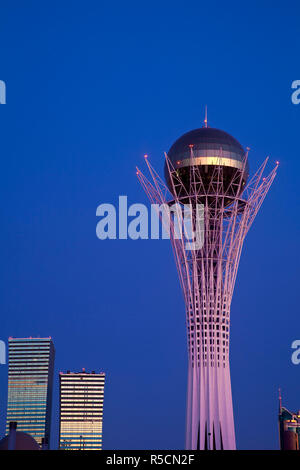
30,382
81,410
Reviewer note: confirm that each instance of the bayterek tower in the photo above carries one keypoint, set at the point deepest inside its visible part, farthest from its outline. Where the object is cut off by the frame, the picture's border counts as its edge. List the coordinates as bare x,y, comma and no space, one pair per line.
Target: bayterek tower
209,167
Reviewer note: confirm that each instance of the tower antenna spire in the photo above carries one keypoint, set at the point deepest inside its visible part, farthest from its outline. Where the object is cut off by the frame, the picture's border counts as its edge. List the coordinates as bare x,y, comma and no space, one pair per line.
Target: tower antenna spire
205,118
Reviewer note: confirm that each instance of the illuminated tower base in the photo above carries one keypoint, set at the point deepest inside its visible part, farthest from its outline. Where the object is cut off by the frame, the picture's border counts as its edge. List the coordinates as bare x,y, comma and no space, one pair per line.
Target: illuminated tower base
210,423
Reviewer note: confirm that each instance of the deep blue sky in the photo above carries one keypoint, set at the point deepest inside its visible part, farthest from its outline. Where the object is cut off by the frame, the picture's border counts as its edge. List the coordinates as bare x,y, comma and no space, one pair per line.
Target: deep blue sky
91,87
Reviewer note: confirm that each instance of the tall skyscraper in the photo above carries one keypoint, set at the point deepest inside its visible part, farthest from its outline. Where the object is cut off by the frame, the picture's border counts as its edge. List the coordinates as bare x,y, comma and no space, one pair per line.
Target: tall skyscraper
30,382
206,174
81,410
289,428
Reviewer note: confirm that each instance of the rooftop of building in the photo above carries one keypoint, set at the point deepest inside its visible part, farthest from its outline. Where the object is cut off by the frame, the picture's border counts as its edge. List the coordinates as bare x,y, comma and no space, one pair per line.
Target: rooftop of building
36,338
82,372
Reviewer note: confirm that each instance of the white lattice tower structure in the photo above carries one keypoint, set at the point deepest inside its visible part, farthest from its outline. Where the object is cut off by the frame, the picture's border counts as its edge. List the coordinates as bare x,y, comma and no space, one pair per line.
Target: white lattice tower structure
207,276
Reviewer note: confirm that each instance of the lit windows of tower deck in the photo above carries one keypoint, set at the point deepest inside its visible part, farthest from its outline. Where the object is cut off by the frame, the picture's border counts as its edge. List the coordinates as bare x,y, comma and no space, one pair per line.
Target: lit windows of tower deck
30,381
81,410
